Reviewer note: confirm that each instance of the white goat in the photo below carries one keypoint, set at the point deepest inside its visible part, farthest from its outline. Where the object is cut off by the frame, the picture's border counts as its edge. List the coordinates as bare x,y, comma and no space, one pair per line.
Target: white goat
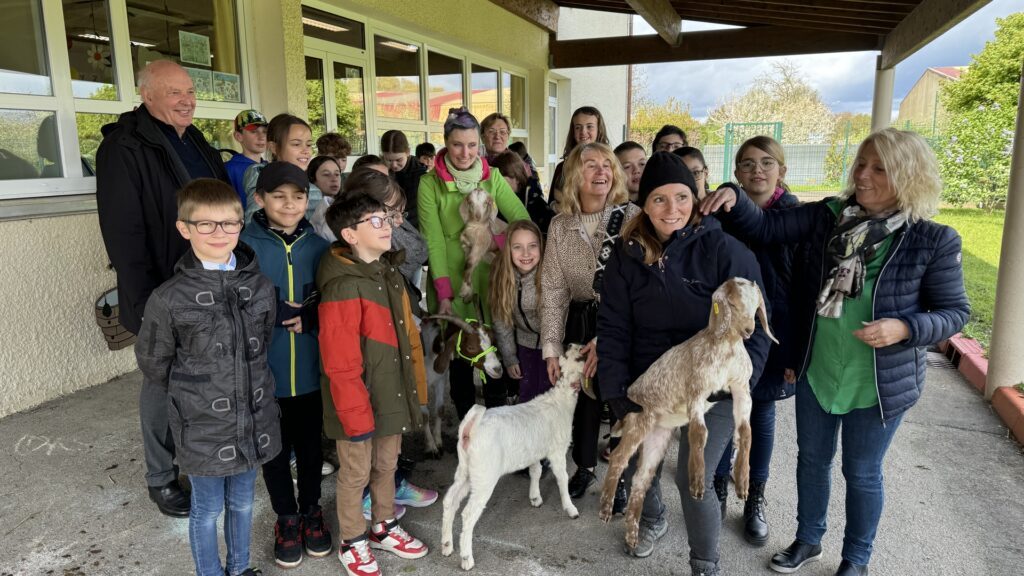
496,441
673,392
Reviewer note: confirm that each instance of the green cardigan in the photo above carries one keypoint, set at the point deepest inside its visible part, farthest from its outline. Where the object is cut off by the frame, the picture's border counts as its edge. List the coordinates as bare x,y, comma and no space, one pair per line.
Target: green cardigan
442,225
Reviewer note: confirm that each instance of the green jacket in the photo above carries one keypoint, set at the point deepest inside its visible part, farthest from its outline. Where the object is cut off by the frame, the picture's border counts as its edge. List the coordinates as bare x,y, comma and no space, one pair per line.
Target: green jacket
442,225
373,380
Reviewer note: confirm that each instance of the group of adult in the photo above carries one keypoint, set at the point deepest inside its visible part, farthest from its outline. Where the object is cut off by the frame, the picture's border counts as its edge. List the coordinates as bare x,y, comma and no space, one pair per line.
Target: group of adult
858,285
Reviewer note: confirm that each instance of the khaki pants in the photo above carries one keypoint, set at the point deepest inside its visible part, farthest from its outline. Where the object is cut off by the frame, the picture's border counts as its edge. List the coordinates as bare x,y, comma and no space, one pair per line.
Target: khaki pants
370,462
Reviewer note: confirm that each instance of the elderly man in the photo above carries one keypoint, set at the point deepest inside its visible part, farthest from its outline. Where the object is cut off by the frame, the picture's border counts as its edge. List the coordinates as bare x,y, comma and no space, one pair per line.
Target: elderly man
144,159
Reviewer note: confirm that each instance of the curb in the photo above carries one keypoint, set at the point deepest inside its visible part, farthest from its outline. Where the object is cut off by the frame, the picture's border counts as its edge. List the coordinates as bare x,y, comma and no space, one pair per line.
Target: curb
969,358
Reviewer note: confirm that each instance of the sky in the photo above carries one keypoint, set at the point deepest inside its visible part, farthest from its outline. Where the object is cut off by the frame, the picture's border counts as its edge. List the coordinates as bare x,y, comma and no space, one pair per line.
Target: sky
845,80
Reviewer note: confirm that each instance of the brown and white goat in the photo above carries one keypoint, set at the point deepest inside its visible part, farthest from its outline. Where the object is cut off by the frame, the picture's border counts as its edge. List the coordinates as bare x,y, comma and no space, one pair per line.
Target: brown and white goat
471,340
674,392
480,214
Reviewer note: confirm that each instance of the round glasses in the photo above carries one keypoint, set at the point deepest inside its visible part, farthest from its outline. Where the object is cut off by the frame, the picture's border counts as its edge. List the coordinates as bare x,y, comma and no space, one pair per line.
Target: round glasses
496,132
767,164
377,221
210,226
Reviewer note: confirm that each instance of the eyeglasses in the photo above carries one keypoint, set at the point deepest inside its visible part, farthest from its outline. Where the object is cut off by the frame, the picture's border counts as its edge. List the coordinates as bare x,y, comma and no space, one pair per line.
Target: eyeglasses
669,146
396,214
767,164
496,132
209,226
703,172
377,222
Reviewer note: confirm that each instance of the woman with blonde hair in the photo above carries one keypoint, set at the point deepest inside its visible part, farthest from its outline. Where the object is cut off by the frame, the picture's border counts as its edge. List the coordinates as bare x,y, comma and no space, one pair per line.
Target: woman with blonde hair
593,211
888,284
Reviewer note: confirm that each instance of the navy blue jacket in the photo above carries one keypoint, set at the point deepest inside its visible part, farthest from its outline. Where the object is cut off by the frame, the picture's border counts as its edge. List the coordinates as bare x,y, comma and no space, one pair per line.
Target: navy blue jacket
776,262
647,309
294,358
921,283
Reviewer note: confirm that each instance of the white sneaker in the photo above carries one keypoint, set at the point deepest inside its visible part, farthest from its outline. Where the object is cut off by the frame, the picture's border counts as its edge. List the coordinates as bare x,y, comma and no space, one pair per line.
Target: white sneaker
358,559
327,469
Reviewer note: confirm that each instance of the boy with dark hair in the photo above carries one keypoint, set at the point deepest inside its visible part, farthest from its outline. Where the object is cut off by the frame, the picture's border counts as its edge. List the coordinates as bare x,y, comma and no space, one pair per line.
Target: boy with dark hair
373,381
632,157
289,252
336,146
425,153
203,339
251,135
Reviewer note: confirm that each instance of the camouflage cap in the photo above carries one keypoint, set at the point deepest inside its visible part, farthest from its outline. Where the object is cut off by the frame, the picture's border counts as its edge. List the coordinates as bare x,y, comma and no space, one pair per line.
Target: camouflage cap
249,120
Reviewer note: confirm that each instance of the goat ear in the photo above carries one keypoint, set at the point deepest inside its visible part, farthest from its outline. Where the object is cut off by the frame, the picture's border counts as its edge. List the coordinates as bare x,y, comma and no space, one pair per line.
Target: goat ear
762,313
721,314
443,359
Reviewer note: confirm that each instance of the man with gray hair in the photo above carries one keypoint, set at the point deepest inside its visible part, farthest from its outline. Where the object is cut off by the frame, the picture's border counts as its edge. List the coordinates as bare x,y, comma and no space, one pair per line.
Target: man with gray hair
145,158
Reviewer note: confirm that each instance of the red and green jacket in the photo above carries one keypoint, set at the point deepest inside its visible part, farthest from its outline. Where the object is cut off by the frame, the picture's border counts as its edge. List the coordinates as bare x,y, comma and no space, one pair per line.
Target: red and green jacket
373,380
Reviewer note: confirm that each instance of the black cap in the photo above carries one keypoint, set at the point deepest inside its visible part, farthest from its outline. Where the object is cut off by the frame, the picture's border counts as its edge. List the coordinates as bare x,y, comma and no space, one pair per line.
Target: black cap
664,168
276,173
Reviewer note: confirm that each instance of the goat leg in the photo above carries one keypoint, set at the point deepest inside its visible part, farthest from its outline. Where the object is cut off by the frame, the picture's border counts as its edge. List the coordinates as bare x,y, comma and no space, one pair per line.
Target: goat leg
741,438
482,490
635,427
535,498
651,455
557,460
697,436
452,500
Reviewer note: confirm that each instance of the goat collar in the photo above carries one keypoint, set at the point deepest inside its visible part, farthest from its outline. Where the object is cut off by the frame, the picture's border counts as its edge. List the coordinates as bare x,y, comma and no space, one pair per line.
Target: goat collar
474,359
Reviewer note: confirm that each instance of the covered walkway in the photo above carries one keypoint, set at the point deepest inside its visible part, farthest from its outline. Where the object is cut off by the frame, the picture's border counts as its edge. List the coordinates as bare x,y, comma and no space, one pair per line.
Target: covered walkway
73,502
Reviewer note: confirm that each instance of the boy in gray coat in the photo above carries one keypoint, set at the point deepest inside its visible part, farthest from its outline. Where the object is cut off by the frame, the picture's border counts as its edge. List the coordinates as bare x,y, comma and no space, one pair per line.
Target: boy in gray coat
204,338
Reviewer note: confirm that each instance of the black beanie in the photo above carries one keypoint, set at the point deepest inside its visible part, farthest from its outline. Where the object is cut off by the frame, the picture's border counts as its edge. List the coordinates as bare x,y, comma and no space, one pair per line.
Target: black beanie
664,168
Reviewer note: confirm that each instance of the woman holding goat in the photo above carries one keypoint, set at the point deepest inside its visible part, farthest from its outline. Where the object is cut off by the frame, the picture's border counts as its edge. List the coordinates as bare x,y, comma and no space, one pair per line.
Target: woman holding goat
657,293
888,284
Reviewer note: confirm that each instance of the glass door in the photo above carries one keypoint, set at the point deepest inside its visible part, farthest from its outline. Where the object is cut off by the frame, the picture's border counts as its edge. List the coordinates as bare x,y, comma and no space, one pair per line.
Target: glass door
336,97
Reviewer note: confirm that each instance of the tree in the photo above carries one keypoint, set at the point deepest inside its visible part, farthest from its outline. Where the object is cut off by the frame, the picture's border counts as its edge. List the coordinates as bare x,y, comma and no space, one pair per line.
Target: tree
780,96
974,153
647,116
850,130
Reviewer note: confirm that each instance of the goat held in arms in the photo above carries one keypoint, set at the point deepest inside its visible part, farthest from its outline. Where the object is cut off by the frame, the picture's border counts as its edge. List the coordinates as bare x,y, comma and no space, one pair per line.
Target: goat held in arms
674,392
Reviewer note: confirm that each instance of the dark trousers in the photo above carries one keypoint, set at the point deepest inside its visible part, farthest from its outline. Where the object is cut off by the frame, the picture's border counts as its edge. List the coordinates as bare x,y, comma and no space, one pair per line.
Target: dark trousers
762,442
460,375
535,379
301,424
157,443
586,427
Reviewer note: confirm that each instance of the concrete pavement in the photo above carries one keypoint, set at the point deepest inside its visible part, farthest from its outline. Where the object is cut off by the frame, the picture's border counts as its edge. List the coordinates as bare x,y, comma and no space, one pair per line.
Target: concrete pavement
73,503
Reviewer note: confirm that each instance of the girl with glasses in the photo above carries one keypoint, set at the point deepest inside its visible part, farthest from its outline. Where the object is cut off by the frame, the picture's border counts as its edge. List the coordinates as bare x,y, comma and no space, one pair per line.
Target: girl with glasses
694,160
668,139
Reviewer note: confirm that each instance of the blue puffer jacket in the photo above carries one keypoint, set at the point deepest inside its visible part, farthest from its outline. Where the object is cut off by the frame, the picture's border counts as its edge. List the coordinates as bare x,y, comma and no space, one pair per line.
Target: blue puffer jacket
294,358
647,309
921,283
776,262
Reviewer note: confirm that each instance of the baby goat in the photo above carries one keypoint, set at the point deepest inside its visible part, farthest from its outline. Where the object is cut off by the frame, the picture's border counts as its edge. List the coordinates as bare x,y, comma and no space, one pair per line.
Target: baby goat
673,392
480,214
471,340
496,441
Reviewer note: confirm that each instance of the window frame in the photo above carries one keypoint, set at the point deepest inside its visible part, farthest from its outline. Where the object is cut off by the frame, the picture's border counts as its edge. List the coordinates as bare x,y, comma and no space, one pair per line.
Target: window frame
74,192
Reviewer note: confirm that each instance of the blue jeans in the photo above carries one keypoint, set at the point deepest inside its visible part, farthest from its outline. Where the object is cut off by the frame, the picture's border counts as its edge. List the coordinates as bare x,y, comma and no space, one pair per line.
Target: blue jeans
210,496
762,442
865,442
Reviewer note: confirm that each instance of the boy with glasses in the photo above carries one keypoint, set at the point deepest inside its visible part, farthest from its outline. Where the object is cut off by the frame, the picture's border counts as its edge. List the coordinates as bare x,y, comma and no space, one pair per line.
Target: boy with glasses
374,381
203,339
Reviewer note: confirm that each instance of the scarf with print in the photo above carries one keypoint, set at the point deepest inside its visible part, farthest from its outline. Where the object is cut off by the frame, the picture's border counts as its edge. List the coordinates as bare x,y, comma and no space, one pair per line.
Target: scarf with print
854,241
465,180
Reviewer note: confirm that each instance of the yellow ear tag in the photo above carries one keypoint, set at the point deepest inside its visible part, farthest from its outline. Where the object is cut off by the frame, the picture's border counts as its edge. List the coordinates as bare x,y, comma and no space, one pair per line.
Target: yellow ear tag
715,306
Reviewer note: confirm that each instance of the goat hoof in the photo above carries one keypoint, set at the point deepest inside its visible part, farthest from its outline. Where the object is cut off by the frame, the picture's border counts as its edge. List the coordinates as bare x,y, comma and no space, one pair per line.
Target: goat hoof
573,512
697,492
536,502
467,562
447,548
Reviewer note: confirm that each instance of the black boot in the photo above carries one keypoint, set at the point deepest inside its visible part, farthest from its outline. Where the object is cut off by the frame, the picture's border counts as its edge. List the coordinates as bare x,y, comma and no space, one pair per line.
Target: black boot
621,498
170,499
847,568
755,523
795,556
722,491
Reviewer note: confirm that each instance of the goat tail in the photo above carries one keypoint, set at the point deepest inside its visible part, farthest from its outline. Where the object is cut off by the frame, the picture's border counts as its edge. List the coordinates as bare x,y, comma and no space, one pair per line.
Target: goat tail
466,428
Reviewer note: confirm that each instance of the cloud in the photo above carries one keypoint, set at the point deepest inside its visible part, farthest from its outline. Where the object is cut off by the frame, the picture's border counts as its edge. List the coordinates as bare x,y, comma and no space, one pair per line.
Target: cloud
845,80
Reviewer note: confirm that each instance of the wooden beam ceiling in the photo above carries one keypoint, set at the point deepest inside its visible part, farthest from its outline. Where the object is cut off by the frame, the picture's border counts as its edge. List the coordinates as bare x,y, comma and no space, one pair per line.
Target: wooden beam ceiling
928,21
707,45
661,16
543,13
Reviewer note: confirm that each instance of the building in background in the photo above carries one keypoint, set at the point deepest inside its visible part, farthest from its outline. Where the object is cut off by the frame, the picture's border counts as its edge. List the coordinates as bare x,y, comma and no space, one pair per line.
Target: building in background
921,109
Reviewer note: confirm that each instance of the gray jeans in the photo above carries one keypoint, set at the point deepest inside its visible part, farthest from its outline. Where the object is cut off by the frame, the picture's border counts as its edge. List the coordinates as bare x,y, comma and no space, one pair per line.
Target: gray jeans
703,518
157,443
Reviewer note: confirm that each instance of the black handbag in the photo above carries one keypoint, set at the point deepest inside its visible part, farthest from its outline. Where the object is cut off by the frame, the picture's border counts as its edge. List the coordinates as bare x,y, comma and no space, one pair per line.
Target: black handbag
580,322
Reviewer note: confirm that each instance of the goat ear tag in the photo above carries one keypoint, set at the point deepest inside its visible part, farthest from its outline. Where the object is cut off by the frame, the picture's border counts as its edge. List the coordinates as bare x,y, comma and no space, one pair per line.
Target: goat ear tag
714,306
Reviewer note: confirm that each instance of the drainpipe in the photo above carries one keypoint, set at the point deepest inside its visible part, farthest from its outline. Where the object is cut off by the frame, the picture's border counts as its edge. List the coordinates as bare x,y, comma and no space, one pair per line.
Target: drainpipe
1005,367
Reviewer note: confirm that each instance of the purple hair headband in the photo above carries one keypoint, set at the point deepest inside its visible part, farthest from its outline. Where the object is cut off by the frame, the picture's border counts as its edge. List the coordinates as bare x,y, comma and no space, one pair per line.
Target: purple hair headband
460,119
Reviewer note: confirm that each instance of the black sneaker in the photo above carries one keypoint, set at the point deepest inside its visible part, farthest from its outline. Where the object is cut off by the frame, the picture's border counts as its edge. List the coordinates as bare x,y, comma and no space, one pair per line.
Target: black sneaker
847,568
580,481
252,572
793,558
621,498
287,542
316,537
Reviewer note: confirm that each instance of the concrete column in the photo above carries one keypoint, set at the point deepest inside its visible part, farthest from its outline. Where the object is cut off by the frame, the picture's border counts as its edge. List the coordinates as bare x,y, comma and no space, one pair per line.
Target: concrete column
1005,367
881,105
280,77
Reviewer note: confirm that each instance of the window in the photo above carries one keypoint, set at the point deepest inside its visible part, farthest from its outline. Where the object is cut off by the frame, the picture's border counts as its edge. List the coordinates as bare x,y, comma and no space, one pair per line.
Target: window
315,102
444,86
397,67
87,27
337,29
201,35
350,110
25,70
513,99
89,137
484,86
28,145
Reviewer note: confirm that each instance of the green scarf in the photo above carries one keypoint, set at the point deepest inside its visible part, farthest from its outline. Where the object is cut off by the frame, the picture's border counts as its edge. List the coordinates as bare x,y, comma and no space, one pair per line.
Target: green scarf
465,180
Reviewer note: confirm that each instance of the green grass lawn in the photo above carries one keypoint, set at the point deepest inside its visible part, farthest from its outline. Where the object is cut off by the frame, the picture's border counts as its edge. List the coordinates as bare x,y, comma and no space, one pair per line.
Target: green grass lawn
982,234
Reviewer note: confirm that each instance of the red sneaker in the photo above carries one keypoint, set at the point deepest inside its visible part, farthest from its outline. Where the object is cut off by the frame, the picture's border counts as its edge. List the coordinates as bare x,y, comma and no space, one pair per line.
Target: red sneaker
390,536
357,558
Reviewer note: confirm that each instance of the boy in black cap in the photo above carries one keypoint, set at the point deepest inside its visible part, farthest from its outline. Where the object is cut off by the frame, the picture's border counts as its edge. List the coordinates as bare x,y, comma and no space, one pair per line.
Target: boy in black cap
289,252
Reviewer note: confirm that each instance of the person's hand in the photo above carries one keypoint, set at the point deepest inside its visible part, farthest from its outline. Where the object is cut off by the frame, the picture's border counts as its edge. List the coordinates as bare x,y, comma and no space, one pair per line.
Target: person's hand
883,332
293,324
554,371
590,365
515,372
724,198
789,376
444,307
